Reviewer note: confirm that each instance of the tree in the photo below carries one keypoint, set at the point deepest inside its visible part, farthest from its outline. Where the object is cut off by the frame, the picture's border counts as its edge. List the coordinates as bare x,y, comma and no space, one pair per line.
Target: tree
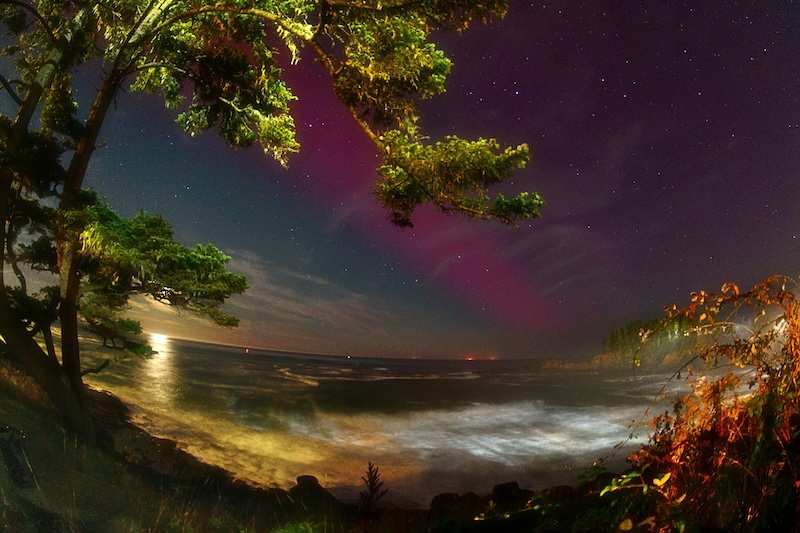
625,342
116,259
213,61
374,489
125,257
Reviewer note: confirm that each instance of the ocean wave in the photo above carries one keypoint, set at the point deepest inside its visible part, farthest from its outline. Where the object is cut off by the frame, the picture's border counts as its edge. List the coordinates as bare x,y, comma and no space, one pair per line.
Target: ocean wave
305,380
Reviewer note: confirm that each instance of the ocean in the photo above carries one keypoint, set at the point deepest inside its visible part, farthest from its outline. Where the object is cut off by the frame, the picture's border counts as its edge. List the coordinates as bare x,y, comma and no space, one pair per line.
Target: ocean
430,426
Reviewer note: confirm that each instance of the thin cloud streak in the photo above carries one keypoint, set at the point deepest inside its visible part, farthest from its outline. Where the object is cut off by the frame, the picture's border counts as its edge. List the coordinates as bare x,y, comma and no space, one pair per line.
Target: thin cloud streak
288,297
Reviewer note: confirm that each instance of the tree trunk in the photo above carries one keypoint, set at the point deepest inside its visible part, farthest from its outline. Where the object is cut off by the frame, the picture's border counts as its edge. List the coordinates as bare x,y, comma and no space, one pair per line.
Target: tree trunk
67,395
68,239
67,236
63,382
46,372
68,315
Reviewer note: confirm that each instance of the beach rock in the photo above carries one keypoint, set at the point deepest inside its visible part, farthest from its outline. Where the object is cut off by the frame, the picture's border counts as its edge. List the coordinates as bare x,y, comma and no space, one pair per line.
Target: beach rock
442,503
510,497
308,482
179,472
154,456
312,496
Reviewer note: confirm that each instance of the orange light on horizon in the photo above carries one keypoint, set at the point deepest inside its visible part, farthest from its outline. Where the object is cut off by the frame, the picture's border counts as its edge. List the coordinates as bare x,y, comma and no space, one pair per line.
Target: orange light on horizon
492,357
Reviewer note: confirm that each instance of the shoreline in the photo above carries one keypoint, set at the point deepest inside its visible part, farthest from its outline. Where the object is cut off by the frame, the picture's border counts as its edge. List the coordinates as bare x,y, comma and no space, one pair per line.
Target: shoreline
140,447
336,448
279,467
143,448
162,460
408,492
136,481
505,507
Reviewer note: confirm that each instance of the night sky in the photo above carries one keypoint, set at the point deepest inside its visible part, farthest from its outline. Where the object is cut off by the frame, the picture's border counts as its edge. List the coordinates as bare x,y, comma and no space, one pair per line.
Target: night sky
665,140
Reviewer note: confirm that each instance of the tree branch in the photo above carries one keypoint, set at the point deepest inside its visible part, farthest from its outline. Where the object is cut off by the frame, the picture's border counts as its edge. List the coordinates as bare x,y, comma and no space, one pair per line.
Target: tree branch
97,369
14,264
48,341
328,62
33,11
297,29
35,90
10,90
431,19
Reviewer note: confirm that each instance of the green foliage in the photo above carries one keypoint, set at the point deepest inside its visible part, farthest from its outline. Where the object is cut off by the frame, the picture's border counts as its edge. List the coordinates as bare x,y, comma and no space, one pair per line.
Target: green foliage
242,95
454,175
675,337
389,58
140,256
58,113
298,527
628,338
387,63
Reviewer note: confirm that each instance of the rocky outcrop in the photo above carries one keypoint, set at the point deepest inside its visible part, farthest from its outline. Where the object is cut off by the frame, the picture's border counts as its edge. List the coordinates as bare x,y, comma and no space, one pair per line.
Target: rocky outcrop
309,494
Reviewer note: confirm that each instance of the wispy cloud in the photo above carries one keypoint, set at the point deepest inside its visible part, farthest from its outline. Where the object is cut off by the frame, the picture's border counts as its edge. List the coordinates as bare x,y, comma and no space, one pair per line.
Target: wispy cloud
284,308
285,296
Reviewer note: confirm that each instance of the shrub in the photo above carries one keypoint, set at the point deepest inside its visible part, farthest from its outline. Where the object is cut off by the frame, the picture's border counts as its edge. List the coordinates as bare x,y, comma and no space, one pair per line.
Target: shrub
728,455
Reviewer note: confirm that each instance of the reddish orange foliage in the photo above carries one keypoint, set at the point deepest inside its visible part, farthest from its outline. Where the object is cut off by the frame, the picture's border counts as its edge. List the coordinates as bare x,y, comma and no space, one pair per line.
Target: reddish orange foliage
731,448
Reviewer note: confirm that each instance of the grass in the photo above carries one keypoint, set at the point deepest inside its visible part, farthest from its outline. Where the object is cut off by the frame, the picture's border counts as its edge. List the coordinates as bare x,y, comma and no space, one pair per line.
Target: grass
78,488
86,489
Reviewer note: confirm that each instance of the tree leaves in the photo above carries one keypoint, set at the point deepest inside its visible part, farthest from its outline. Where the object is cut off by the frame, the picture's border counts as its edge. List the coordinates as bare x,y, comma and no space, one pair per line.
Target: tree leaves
387,60
455,175
139,255
214,62
243,97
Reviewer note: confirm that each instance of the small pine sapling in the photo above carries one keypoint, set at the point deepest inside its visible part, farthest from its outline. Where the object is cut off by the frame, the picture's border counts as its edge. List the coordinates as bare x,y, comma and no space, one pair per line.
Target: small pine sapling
374,492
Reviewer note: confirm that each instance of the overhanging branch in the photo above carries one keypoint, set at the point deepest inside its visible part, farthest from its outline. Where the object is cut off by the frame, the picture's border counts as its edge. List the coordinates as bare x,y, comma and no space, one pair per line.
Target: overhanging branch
33,11
97,369
10,90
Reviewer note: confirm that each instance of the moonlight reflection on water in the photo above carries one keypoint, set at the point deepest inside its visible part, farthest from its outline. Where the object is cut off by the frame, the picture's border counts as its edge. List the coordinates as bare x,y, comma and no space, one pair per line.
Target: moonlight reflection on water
157,374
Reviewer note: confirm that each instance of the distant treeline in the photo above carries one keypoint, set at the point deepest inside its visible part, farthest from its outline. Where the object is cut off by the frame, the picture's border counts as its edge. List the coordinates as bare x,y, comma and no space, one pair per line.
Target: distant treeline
666,337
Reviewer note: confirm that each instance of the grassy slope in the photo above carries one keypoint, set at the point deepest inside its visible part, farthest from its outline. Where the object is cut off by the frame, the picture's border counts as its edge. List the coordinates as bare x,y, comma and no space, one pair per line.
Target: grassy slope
75,485
87,489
